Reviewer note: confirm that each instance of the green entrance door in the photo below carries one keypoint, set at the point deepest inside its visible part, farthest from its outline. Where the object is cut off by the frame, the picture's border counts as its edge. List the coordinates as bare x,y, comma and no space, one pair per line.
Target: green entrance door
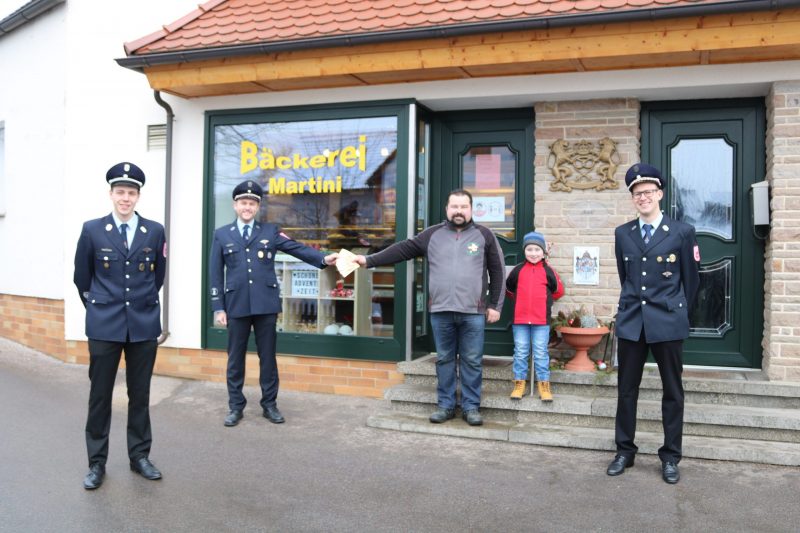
711,153
490,154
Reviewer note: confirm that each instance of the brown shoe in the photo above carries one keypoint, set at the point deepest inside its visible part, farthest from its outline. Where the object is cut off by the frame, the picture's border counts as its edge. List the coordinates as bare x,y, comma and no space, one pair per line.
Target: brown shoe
544,391
519,389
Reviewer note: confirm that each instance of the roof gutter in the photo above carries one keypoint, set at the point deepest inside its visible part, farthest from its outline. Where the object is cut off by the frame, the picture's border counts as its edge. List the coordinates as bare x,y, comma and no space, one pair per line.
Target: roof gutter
25,14
167,210
456,30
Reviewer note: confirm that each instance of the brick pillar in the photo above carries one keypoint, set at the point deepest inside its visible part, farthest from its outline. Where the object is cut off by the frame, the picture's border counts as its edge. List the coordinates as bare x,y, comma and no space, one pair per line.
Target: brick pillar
585,217
781,341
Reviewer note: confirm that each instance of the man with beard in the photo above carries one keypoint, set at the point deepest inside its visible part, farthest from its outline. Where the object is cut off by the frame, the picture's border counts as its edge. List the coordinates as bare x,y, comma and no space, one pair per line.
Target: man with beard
466,271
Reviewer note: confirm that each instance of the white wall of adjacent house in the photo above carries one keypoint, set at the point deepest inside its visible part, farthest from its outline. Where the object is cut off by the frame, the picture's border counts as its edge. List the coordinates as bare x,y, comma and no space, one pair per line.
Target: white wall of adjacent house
32,63
69,112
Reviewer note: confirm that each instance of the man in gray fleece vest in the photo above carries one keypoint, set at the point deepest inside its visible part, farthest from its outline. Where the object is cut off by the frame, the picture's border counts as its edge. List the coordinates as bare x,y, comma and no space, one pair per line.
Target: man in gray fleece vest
466,272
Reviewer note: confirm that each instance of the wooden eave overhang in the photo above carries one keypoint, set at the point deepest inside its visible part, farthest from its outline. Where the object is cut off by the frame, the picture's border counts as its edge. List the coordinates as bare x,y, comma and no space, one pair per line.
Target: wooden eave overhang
739,37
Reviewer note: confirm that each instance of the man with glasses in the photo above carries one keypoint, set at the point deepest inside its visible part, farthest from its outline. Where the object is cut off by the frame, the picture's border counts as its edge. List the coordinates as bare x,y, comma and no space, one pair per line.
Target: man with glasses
657,263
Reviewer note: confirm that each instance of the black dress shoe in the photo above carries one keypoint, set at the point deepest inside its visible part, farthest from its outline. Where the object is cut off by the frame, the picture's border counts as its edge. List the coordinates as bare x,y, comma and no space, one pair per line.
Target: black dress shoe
95,476
233,417
472,417
145,468
442,415
619,464
670,472
272,414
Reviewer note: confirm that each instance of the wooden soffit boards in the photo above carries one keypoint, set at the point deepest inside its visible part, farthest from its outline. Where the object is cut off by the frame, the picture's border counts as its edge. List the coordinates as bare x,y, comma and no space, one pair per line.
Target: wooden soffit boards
708,40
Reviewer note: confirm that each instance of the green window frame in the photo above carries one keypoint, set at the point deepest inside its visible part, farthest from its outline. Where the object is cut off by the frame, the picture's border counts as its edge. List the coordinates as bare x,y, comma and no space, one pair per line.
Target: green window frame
350,347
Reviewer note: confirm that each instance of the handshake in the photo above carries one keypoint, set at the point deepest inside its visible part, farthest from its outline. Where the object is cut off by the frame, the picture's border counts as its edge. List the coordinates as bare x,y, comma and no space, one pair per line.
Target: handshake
346,261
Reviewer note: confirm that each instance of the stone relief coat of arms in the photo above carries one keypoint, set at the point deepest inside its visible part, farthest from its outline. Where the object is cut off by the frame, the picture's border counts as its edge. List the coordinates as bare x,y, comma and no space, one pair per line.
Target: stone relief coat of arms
583,165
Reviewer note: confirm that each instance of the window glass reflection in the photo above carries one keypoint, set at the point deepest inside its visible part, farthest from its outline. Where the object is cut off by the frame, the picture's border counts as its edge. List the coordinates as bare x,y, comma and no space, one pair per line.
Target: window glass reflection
711,316
489,173
330,184
702,185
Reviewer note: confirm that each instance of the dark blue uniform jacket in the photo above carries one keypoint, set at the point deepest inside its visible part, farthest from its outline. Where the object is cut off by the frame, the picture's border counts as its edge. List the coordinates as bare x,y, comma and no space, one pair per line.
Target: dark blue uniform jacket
120,287
243,281
659,281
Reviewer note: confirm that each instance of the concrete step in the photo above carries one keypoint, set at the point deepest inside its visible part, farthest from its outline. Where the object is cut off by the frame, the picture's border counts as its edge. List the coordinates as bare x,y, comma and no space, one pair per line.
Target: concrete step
724,421
700,447
746,389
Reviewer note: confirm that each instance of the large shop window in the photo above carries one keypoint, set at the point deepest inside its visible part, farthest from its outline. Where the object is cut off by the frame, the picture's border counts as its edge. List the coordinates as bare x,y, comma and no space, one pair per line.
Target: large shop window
331,184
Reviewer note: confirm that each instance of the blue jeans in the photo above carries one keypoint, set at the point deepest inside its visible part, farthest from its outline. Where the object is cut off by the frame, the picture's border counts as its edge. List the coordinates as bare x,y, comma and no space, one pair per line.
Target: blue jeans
462,334
524,336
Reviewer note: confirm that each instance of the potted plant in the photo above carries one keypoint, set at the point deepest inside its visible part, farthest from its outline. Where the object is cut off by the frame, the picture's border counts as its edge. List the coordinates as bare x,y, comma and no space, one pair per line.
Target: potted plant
582,331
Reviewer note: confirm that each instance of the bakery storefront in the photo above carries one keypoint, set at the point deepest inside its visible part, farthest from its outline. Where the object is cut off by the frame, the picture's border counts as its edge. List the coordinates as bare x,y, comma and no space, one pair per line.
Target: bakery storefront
358,135
333,178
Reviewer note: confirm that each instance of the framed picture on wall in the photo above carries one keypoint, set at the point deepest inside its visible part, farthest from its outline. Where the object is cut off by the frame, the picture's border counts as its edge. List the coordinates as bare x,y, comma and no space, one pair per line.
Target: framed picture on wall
586,265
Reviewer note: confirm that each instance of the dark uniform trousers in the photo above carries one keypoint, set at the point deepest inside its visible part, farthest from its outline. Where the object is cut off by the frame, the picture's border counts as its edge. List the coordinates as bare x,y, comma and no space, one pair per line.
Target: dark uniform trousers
632,357
140,357
238,335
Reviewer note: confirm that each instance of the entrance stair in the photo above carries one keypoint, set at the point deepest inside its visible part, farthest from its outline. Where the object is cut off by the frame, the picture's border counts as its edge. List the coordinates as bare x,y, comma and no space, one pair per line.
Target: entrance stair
731,416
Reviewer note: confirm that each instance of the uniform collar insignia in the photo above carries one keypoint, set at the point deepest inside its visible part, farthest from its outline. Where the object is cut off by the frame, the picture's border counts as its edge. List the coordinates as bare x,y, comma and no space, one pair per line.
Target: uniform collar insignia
109,226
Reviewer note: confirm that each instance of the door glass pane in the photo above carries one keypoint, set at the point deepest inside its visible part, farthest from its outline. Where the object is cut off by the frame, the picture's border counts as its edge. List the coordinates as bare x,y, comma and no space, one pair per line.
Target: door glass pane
490,174
711,316
702,185
420,265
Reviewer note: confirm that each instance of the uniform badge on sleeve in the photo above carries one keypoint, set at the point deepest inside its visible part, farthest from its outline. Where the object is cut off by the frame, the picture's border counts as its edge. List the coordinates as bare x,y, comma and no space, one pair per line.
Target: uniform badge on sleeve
696,253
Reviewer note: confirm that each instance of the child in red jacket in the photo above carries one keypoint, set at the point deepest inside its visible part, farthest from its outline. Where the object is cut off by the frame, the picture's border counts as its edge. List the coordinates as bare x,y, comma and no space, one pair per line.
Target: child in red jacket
534,286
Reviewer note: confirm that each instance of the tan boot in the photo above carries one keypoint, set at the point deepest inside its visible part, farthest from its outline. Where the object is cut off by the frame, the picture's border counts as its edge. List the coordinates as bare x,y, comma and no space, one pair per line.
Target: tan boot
544,391
519,389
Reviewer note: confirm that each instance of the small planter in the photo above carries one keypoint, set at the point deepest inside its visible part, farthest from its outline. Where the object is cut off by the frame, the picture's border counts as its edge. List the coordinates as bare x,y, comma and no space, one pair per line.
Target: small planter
582,340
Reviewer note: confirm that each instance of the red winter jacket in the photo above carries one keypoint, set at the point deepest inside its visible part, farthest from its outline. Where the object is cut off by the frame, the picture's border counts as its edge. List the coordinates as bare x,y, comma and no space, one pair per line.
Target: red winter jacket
533,287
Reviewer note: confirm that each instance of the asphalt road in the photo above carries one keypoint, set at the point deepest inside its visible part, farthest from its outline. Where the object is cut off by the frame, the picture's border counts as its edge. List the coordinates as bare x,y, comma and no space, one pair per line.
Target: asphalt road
324,470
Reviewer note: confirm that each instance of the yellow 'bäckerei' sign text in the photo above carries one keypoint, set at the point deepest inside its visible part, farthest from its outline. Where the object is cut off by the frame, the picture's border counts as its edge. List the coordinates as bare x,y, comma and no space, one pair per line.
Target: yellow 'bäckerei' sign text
347,157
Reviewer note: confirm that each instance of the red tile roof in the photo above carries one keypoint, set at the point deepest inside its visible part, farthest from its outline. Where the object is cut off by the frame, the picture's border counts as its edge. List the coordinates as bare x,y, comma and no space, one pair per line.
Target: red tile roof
219,23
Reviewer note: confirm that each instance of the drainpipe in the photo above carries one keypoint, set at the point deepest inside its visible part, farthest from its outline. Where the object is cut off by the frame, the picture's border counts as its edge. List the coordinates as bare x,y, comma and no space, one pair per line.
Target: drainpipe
167,209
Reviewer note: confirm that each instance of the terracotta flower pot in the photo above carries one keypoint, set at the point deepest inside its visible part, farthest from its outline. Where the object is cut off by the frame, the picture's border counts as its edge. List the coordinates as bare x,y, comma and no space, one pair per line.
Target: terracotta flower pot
581,340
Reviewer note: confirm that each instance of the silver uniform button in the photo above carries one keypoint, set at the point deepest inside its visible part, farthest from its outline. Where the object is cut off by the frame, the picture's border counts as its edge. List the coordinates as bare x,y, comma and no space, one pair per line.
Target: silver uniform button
251,281
644,259
249,269
644,288
127,276
644,273
247,249
127,289
127,262
644,302
127,303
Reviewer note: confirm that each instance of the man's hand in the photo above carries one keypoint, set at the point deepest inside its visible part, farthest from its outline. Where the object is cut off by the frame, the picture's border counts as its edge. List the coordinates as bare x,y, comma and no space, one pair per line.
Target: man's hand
330,259
492,316
361,260
221,318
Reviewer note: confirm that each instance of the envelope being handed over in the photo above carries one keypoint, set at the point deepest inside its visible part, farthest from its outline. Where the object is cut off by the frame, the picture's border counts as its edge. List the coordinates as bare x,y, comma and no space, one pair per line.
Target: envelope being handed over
345,263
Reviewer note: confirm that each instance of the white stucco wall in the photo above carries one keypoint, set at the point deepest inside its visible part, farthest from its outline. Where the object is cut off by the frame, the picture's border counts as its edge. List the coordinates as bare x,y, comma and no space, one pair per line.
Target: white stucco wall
32,63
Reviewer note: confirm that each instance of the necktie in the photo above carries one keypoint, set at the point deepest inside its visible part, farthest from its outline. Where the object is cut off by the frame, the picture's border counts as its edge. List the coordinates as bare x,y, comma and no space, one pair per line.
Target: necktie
246,232
123,229
647,232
